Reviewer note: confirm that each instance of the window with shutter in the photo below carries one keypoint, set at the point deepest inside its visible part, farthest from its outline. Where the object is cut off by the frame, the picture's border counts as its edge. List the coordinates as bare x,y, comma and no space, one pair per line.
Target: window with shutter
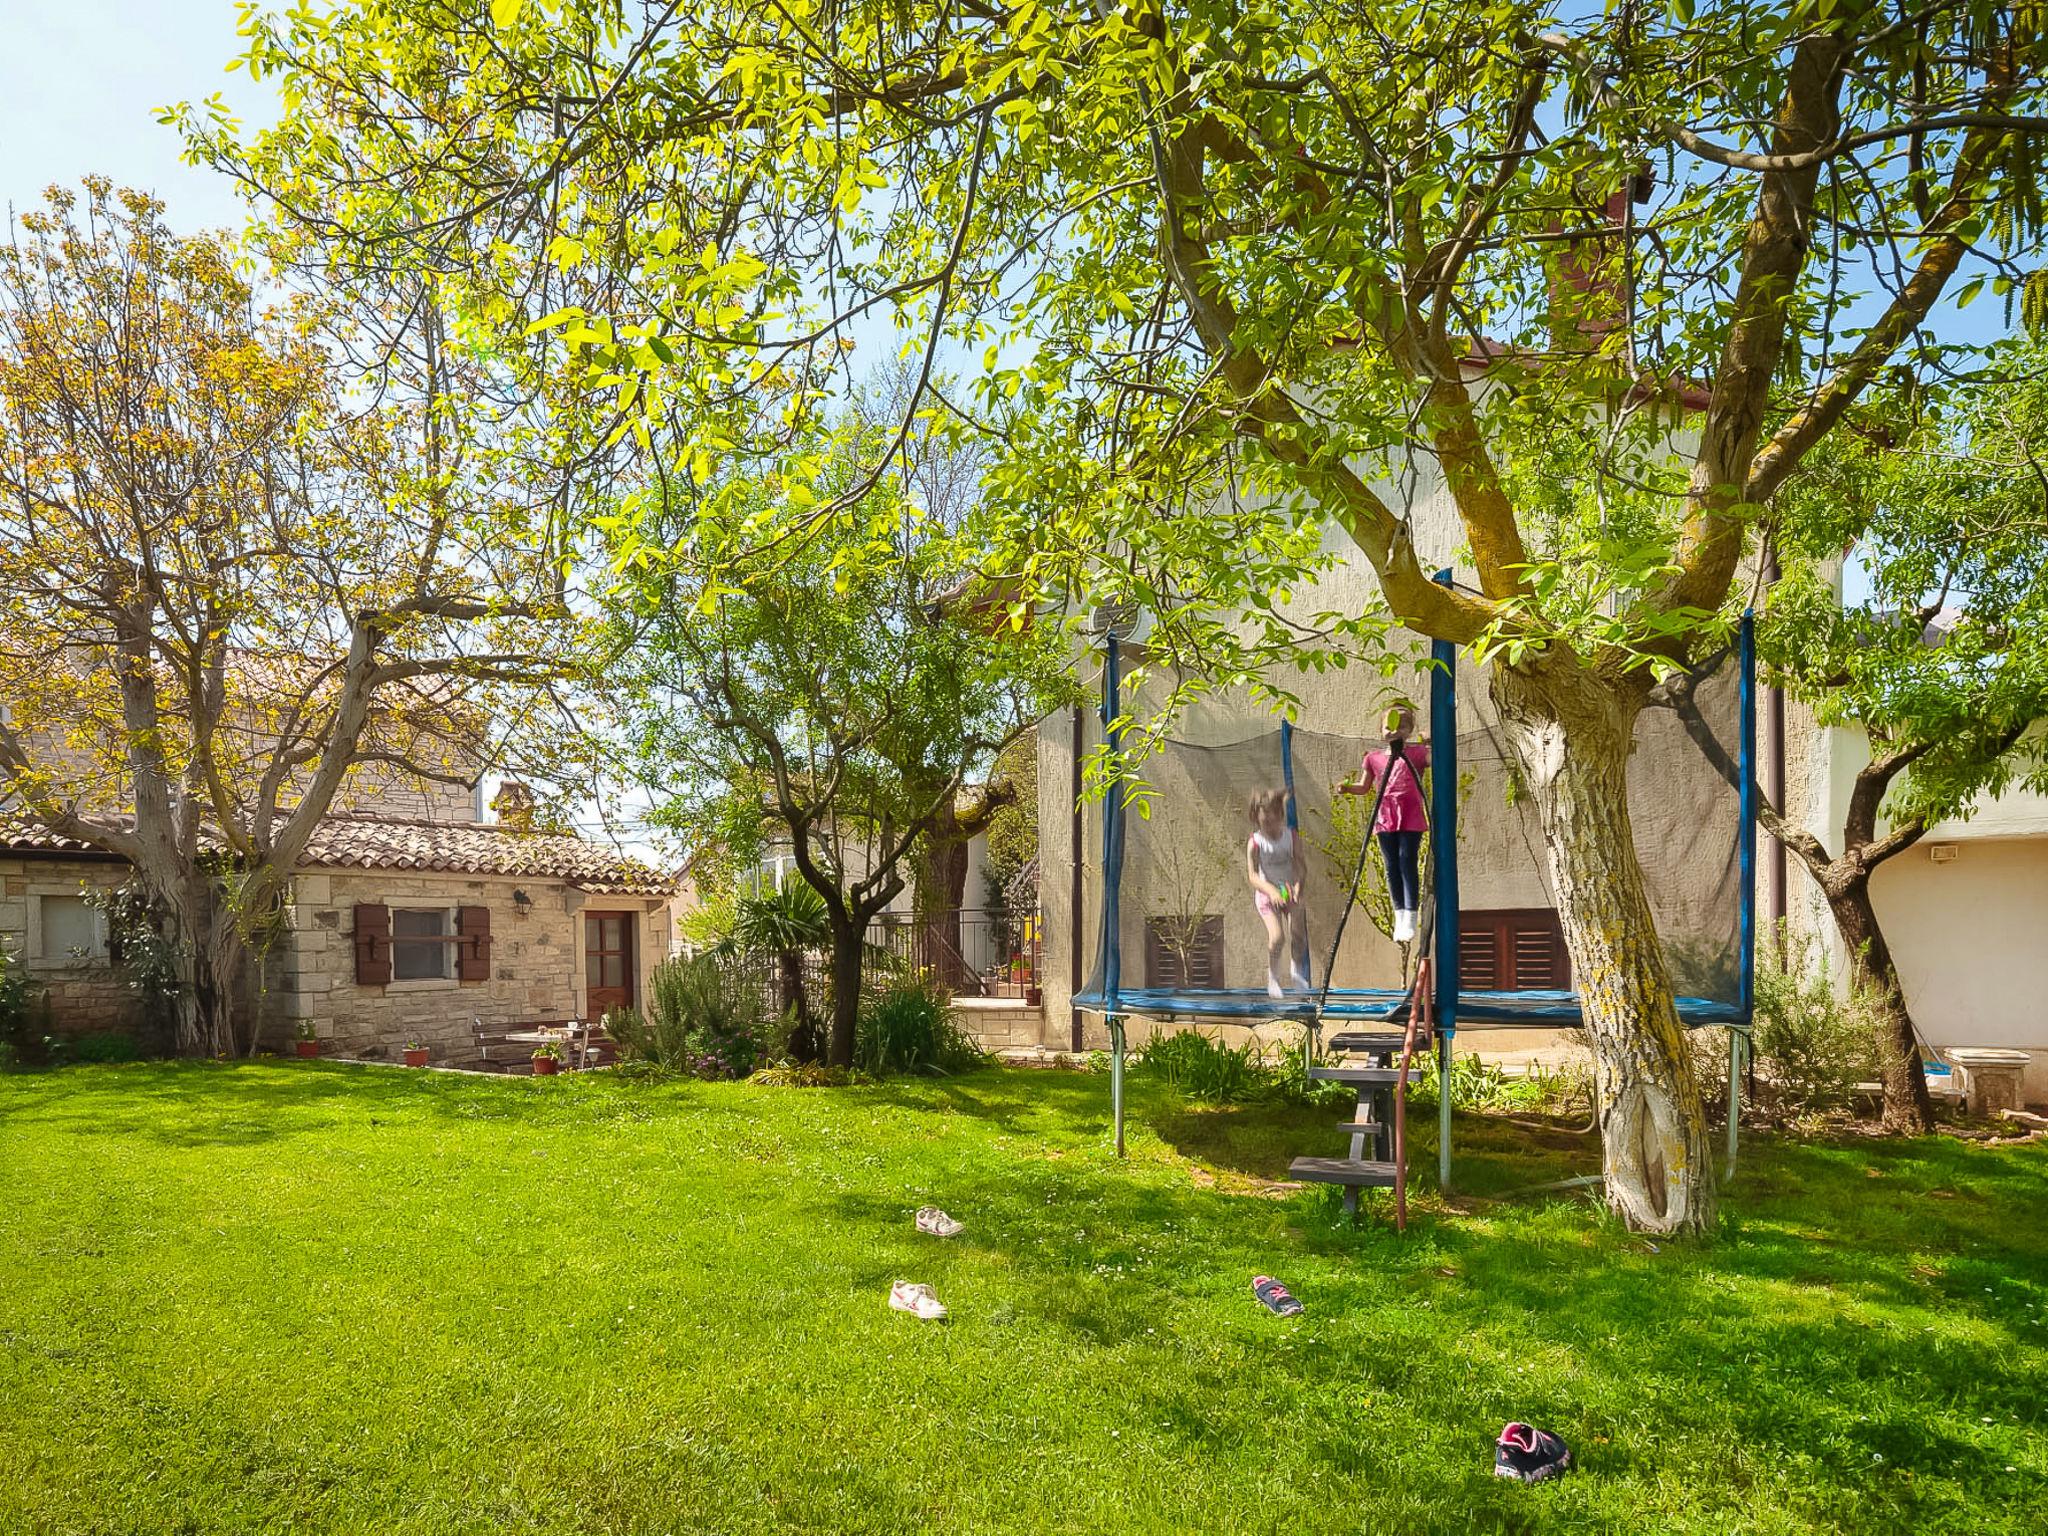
1184,954
1518,950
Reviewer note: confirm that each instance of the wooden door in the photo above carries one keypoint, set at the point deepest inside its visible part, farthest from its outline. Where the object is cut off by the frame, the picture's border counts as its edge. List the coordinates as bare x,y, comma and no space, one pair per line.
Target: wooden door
608,962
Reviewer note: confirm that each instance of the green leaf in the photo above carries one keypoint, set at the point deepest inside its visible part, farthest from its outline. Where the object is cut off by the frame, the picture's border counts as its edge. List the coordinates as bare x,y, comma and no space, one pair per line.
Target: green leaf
504,13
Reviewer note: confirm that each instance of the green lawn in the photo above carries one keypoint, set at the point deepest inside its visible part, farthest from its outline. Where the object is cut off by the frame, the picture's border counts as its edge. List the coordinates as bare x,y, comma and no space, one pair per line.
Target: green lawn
295,1297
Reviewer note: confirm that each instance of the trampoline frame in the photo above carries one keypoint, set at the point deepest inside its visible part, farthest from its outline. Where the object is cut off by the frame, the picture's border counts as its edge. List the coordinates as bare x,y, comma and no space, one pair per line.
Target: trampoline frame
1485,1010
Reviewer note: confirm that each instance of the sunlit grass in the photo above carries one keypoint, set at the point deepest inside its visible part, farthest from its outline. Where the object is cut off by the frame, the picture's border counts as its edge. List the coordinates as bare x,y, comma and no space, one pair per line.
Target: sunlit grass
304,1297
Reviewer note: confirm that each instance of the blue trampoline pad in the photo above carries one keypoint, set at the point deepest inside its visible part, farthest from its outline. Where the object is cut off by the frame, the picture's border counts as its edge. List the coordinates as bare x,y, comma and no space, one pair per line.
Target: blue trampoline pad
1533,1010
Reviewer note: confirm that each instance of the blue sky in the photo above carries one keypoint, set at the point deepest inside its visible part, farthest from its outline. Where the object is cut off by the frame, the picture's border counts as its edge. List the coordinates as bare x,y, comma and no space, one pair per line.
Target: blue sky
80,84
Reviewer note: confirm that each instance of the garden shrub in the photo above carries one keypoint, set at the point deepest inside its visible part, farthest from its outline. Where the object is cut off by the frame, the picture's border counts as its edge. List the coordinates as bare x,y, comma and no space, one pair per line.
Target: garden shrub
705,1021
105,1046
909,1027
24,1016
1813,1045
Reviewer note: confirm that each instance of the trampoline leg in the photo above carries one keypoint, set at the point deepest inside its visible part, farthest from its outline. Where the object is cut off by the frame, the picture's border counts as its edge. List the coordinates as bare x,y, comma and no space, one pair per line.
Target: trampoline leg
1443,1113
1116,1078
1735,1044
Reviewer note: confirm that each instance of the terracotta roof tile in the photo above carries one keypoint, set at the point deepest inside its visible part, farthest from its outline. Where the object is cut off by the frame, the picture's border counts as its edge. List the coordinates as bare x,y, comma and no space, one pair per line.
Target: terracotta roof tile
463,848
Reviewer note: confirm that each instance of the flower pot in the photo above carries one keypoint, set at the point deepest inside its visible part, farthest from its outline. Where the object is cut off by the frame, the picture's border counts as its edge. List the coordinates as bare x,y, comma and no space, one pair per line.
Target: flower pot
545,1066
1034,995
416,1058
308,1049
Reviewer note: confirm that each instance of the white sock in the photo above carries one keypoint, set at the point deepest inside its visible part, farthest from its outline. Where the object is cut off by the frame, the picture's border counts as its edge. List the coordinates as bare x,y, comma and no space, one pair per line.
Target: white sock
1273,987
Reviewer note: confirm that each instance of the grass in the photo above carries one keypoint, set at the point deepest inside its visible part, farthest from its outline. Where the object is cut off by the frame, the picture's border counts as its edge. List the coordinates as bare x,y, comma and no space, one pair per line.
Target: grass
298,1297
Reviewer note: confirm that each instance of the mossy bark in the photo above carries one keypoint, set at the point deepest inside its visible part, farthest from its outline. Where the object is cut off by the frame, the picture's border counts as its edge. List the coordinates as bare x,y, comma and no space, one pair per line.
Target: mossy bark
1570,730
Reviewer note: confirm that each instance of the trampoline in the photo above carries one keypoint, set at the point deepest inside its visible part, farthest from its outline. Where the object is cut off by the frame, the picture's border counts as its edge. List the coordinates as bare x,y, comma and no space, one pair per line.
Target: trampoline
1176,937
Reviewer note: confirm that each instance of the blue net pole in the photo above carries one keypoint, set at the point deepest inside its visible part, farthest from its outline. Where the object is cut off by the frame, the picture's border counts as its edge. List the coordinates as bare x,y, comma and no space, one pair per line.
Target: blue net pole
1443,834
1307,956
1112,880
1745,787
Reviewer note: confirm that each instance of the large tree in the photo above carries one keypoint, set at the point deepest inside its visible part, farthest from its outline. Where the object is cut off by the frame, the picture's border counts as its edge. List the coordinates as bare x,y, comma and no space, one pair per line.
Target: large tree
828,697
1232,265
228,591
1940,659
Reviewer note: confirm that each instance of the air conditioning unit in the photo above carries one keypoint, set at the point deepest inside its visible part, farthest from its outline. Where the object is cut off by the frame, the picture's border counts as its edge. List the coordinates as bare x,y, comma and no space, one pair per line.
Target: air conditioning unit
1127,621
1943,853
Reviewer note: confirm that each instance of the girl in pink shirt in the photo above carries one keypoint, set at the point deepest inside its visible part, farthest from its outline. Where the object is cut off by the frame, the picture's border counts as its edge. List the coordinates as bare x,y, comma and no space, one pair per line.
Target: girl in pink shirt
1401,820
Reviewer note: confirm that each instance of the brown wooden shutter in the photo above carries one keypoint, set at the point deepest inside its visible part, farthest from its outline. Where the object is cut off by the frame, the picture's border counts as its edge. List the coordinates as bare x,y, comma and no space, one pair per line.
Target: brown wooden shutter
473,943
373,944
1518,950
1203,970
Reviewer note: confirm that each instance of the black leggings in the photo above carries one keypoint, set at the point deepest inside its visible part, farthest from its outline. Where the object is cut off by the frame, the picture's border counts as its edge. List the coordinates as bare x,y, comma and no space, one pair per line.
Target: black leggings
1402,854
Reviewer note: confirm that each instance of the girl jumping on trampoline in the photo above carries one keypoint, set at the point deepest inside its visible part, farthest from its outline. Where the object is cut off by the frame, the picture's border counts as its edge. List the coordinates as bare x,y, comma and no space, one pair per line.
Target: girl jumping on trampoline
1275,865
1401,819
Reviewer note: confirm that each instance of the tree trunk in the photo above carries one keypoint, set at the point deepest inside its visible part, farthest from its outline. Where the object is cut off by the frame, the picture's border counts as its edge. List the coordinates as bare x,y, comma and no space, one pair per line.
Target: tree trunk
1571,734
941,891
210,956
848,939
1908,1107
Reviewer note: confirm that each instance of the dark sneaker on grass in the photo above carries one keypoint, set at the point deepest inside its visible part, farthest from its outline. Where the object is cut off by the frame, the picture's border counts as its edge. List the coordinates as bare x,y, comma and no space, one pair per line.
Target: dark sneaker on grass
1529,1454
1277,1298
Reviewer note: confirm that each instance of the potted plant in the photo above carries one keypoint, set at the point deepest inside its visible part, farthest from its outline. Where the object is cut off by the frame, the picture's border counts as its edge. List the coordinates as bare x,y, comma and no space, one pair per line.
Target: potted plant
415,1053
308,1042
547,1059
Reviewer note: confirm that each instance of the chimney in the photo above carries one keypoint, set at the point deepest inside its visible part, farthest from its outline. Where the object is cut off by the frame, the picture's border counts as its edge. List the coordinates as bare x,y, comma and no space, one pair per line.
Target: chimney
1589,294
514,804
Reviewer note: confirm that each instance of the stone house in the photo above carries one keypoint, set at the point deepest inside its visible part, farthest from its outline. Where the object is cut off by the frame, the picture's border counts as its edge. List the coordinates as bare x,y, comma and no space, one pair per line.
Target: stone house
411,917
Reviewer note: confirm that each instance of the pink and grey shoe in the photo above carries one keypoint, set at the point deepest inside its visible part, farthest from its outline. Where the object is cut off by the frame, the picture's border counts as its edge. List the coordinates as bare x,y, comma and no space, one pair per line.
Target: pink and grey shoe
1276,1298
917,1300
1530,1455
936,1222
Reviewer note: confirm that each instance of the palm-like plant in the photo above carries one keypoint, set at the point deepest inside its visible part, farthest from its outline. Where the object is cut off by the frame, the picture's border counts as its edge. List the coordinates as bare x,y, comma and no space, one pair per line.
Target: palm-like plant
785,921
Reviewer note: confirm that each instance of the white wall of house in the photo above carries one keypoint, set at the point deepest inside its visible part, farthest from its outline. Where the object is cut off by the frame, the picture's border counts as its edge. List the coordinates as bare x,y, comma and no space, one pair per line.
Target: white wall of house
1965,911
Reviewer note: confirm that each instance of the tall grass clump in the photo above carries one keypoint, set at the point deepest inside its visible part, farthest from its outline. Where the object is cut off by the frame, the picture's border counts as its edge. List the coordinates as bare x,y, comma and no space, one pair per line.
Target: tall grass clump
1205,1069
908,1027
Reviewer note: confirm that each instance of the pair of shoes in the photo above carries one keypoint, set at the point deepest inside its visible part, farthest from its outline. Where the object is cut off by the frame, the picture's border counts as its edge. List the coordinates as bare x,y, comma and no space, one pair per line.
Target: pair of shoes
1529,1454
1276,1298
918,1300
937,1223
1404,927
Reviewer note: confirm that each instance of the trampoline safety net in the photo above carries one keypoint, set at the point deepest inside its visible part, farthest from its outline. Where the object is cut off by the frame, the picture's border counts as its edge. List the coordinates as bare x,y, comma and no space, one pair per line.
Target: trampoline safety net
1192,943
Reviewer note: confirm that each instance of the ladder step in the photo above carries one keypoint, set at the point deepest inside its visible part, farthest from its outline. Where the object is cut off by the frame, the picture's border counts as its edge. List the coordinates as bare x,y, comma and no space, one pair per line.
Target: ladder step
1355,1172
1358,1127
1357,1074
1359,1043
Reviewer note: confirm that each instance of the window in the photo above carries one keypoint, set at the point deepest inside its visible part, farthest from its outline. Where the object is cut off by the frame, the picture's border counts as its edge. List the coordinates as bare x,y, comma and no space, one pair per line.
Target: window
73,932
422,944
1184,954
1520,950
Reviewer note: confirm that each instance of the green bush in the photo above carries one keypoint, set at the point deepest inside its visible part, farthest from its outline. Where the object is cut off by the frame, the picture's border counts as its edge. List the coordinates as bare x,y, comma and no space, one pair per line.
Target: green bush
1483,1087
909,1028
705,1022
1205,1069
1812,1045
24,1016
106,1046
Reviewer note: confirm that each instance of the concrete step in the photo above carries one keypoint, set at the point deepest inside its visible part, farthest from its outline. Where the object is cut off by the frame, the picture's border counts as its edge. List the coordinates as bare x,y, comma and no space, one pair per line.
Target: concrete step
1354,1172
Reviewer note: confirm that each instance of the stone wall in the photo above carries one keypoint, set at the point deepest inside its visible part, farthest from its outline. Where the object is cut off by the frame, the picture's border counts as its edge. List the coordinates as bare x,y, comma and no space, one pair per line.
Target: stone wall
83,995
537,969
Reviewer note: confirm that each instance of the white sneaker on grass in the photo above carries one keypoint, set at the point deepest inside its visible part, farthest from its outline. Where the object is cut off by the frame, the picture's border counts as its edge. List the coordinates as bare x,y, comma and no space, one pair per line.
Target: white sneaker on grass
936,1222
917,1300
